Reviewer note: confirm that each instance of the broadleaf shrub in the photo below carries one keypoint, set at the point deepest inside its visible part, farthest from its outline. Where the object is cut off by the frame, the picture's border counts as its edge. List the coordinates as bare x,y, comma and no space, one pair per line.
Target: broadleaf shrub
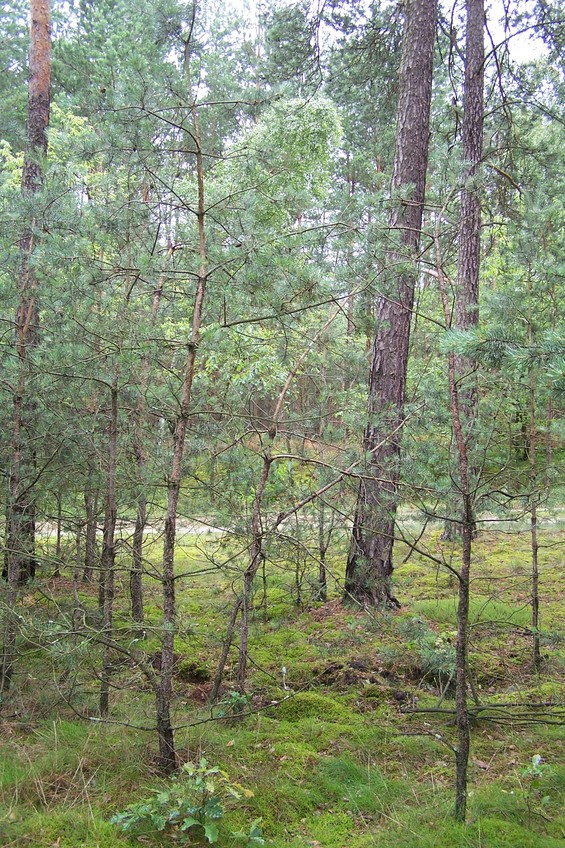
190,806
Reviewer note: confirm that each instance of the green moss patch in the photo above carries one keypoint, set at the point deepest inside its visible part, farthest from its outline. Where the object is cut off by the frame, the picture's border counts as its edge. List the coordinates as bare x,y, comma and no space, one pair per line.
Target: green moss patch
311,705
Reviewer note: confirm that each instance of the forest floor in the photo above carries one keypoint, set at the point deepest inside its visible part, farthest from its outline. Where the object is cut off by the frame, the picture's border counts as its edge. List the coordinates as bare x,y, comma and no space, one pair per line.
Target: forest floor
348,747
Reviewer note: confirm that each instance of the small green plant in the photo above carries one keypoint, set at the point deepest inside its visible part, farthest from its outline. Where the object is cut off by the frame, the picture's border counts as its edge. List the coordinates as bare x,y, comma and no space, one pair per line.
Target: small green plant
436,651
232,705
531,786
190,806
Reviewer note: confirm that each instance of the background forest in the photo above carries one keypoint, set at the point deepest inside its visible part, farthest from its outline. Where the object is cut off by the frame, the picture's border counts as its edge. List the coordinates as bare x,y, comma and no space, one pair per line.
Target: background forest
283,382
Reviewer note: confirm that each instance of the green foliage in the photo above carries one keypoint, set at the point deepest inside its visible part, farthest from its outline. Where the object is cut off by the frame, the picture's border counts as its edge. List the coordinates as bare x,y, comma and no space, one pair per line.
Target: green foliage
289,168
436,652
232,704
532,786
191,805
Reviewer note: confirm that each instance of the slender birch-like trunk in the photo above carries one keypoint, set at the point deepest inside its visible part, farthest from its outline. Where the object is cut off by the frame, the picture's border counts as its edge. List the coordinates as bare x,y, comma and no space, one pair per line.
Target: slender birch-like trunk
136,574
534,496
167,753
464,398
108,558
467,527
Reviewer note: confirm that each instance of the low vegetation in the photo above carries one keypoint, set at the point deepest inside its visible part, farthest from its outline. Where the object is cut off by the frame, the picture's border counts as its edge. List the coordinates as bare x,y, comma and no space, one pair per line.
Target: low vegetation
343,741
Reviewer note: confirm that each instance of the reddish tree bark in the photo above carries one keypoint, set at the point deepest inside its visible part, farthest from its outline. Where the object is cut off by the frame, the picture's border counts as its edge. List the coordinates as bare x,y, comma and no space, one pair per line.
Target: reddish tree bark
369,566
21,507
20,513
469,238
467,301
464,409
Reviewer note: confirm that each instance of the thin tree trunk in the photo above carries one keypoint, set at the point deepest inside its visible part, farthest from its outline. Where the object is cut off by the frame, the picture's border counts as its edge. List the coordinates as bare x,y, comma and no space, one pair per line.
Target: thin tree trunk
21,506
467,288
323,538
9,641
549,409
322,549
136,574
536,654
167,754
101,572
265,597
57,572
467,525
78,610
107,562
548,442
532,442
467,300
91,507
461,660
257,555
218,677
350,314
256,559
369,566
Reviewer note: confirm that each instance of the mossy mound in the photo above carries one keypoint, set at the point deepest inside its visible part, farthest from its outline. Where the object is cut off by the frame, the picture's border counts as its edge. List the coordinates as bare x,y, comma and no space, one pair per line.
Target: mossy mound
191,671
505,834
311,705
376,692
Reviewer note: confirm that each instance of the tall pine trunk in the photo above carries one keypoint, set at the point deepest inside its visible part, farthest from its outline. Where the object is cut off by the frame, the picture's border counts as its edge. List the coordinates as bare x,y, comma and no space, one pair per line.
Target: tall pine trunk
20,509
467,290
469,236
369,566
465,410
21,506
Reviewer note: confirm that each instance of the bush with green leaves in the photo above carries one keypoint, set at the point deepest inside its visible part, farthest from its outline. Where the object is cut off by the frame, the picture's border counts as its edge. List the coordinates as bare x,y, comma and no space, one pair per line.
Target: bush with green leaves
190,806
532,787
232,704
436,651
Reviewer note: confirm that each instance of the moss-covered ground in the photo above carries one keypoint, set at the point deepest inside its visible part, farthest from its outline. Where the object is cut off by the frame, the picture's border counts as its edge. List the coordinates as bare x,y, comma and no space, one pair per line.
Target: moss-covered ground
337,748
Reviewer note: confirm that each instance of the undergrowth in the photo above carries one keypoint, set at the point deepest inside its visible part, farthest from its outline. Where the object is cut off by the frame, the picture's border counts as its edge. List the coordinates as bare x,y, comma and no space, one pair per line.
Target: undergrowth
333,746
